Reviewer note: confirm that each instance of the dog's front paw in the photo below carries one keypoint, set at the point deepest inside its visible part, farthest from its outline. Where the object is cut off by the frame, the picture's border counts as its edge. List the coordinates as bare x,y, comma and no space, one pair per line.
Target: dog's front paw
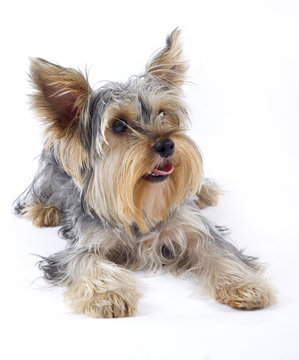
109,304
113,304
246,297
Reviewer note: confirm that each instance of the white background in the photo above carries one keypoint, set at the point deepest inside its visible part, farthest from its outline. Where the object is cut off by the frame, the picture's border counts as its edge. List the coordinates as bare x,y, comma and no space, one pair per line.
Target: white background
243,92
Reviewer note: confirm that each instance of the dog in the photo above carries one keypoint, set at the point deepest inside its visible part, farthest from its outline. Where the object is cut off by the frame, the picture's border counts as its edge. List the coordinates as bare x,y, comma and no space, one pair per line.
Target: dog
121,177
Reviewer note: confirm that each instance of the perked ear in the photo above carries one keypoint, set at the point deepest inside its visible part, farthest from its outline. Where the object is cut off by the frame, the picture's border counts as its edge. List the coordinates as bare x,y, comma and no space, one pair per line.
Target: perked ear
168,64
60,96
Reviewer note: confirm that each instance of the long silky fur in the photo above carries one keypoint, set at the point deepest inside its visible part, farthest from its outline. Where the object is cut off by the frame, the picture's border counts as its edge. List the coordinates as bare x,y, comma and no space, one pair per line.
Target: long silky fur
92,183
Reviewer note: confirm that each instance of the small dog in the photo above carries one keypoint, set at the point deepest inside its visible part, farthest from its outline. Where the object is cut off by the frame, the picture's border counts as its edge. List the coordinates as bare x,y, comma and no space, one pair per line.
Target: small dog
125,183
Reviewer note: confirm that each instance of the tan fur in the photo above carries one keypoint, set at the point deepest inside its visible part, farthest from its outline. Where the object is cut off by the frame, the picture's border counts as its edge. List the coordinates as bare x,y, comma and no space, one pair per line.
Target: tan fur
72,156
237,285
183,244
143,225
155,201
115,245
60,96
134,199
102,289
43,214
126,197
208,195
246,297
168,64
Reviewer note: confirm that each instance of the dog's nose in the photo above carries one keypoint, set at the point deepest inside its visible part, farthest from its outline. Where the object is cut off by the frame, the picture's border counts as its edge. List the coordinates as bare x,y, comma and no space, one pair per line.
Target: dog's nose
164,147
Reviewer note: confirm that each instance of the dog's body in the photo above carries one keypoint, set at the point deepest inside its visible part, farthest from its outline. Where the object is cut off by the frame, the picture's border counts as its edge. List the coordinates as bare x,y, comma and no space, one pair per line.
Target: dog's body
125,182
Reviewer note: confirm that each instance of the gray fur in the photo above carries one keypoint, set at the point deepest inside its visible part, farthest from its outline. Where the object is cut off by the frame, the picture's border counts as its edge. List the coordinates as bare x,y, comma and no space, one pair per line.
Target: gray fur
97,180
53,185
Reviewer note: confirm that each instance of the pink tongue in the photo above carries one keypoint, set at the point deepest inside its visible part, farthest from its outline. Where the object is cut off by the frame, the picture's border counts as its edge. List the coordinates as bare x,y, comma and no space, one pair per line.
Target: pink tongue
165,170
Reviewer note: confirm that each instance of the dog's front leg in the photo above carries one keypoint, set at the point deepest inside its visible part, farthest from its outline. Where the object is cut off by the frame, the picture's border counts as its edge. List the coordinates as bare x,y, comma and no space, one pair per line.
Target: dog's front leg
231,277
95,286
196,246
100,288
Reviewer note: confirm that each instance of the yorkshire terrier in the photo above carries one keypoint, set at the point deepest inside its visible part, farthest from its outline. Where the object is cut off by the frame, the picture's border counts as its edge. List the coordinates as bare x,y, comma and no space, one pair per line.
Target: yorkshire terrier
125,182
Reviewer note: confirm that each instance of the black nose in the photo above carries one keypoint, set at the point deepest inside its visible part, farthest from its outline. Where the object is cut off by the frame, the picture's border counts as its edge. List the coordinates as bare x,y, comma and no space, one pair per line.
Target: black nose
164,147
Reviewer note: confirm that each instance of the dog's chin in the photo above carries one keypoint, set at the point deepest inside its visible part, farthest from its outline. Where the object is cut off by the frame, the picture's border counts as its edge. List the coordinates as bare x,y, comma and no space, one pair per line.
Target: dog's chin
159,173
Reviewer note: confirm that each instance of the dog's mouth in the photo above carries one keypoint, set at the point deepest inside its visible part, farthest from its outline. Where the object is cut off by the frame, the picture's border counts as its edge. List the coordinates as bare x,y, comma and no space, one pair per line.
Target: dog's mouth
159,173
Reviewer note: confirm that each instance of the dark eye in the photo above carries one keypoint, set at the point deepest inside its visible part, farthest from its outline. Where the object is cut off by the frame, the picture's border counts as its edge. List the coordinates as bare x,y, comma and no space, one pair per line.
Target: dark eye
161,114
119,126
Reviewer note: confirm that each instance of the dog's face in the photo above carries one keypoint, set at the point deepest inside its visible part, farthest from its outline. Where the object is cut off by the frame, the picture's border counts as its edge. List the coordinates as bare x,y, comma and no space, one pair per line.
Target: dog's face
125,144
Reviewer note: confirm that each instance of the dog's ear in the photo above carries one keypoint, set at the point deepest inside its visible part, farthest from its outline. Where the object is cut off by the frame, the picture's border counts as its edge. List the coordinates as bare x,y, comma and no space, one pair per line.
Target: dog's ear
168,64
61,94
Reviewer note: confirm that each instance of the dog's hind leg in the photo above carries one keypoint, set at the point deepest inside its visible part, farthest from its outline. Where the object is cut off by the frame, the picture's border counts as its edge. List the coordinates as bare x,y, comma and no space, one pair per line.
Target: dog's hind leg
36,205
44,200
208,195
42,214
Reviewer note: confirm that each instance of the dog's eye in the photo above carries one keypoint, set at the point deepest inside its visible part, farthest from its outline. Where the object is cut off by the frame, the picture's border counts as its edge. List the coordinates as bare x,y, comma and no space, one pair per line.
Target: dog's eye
162,114
119,126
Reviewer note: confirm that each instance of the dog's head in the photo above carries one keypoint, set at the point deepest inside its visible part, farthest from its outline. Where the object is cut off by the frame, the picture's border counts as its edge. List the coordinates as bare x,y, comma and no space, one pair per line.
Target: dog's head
124,144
